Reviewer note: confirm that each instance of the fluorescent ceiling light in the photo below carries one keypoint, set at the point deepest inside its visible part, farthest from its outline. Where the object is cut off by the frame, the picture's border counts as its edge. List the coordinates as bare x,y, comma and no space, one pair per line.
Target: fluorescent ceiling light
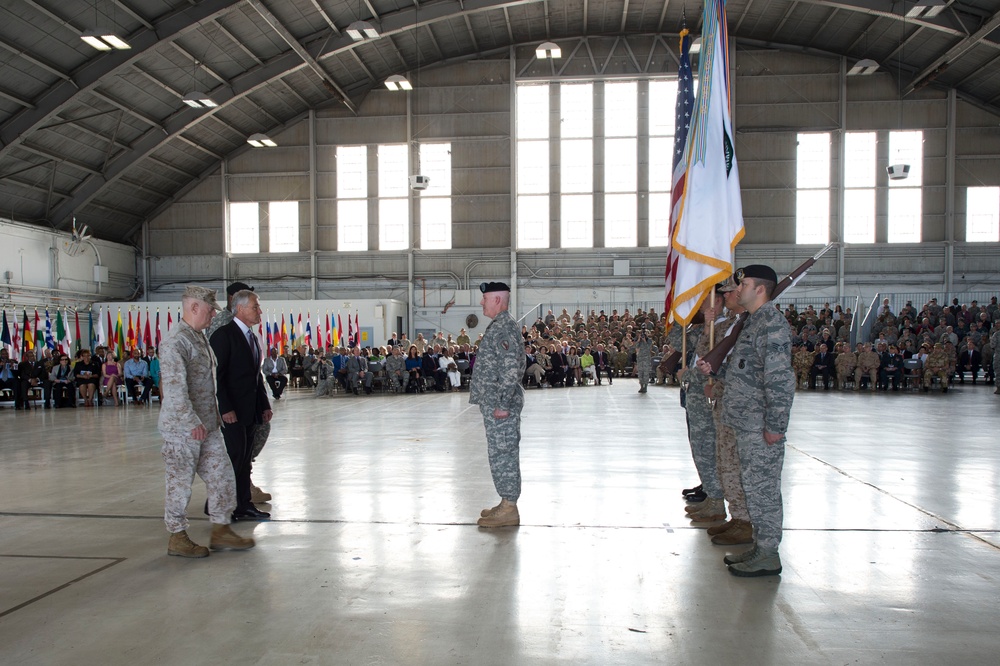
261,141
863,67
199,100
927,9
361,30
104,40
398,82
548,50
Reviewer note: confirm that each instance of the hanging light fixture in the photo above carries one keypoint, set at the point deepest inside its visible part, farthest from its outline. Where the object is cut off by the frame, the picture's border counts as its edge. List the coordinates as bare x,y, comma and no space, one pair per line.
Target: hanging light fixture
260,140
398,82
199,100
927,9
104,40
863,68
362,30
548,50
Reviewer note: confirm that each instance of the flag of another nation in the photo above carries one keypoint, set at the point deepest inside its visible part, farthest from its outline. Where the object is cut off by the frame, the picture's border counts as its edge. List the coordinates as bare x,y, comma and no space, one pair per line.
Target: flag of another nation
683,114
5,334
710,218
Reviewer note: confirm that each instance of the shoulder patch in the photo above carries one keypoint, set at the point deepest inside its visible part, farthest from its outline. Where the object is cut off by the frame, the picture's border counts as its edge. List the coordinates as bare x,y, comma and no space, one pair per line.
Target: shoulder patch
505,345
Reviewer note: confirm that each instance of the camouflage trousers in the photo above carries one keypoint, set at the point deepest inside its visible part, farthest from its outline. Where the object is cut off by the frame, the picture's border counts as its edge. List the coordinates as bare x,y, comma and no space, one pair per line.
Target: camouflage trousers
208,459
619,367
872,378
701,434
801,377
644,370
260,435
503,447
727,460
942,375
325,387
761,474
398,382
844,377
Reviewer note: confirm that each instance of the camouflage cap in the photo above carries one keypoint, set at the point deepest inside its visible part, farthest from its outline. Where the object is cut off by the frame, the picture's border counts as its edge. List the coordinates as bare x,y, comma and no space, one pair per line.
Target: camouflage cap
727,286
203,294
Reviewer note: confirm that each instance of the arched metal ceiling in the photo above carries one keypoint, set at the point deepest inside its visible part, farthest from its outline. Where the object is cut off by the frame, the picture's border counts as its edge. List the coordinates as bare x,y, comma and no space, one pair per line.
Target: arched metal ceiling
106,137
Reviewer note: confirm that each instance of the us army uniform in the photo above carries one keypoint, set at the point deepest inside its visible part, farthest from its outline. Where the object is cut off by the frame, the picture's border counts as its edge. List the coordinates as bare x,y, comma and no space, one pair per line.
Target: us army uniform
644,362
760,387
620,361
393,365
496,384
936,365
326,381
187,371
702,436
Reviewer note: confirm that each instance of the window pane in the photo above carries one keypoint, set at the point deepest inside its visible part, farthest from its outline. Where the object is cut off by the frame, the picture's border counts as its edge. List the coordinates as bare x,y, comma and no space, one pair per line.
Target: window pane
393,224
533,111
435,223
662,103
352,225
533,222
577,160
982,214
812,217
661,164
577,226
283,226
244,228
620,220
659,220
907,148
620,164
904,215
532,167
393,168
576,109
859,216
352,172
621,112
813,160
860,151
435,162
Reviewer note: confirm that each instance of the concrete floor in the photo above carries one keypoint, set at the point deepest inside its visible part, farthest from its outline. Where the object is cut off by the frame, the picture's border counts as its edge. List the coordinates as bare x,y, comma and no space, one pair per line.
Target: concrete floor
891,554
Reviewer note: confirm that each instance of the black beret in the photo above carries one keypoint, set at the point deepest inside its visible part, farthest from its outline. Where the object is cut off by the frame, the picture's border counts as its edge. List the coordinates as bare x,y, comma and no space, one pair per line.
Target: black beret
487,287
237,286
759,271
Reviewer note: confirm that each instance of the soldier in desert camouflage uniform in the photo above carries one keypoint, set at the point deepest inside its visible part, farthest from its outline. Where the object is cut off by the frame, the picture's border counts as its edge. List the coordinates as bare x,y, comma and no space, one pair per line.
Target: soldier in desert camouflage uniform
868,364
936,365
845,364
760,387
189,423
802,360
496,388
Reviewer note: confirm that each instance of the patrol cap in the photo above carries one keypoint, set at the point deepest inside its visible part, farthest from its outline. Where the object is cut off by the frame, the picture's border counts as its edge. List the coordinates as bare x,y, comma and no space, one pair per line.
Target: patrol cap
725,287
487,287
758,271
203,294
237,286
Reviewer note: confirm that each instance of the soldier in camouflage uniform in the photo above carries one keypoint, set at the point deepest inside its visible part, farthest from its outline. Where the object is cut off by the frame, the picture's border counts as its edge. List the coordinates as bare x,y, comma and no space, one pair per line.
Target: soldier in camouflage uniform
644,360
189,423
620,360
802,360
496,388
995,344
760,387
326,380
868,364
845,364
263,430
395,369
936,365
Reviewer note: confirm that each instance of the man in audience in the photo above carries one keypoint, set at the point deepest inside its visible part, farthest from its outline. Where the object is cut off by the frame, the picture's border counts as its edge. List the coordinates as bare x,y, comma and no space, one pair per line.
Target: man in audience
822,366
276,373
395,370
969,361
602,363
358,373
8,373
936,365
137,374
29,375
868,365
890,368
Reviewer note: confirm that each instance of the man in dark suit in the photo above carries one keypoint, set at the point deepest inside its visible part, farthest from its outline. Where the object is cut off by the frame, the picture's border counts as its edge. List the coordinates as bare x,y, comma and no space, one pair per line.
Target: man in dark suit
822,366
970,360
242,399
602,363
890,368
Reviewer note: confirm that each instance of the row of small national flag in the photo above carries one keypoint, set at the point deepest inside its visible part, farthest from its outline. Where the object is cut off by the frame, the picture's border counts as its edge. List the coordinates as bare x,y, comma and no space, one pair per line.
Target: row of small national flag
20,335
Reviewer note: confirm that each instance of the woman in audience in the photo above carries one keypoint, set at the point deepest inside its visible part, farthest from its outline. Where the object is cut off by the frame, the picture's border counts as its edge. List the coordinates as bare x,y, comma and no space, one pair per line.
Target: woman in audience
111,376
87,372
573,363
587,364
63,388
154,371
413,366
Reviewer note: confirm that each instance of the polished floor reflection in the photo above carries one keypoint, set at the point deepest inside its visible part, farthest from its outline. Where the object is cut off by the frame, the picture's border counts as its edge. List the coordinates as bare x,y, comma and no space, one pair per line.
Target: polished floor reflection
891,554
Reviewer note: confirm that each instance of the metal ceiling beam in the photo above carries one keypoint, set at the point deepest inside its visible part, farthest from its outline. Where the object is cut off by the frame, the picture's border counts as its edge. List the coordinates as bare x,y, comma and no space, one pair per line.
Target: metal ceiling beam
621,28
104,97
784,19
302,52
510,29
901,46
326,17
944,22
86,78
34,61
955,52
361,63
472,35
190,56
240,45
131,12
746,10
17,100
44,152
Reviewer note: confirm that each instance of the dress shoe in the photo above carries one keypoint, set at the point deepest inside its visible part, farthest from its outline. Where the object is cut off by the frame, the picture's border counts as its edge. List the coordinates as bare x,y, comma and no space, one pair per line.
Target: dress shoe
251,513
505,515
699,496
691,491
181,545
224,538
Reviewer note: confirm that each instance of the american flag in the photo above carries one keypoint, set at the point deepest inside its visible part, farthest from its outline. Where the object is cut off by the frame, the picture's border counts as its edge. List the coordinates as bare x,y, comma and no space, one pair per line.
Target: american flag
682,124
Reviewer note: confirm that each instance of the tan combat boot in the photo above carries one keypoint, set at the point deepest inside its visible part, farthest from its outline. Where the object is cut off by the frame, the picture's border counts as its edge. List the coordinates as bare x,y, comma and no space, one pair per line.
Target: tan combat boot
486,512
505,515
182,546
258,496
224,538
719,529
714,510
740,532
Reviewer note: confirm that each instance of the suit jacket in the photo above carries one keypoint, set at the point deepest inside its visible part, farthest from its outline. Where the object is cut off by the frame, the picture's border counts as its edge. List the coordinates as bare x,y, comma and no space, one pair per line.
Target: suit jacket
240,384
600,358
977,359
829,361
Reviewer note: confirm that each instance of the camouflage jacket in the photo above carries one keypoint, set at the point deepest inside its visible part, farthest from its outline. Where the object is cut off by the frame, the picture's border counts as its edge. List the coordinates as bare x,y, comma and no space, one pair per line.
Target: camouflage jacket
187,374
760,383
496,379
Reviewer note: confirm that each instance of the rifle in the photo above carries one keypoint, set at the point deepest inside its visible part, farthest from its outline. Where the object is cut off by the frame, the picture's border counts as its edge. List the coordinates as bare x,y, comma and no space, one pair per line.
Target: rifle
670,361
718,353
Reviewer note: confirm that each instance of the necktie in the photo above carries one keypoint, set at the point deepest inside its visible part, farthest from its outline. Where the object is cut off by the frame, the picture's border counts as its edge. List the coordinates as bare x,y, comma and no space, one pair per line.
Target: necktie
253,346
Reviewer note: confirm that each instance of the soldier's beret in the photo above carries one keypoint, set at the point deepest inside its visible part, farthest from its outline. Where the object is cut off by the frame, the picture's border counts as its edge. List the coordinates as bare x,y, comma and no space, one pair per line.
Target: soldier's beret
487,287
203,294
237,286
759,271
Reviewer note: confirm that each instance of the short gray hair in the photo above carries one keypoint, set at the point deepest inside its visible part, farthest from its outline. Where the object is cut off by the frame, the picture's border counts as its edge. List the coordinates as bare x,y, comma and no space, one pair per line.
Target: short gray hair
241,298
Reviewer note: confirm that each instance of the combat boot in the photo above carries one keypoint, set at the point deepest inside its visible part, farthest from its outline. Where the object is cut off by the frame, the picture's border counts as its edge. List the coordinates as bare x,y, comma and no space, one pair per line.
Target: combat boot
719,529
258,496
714,508
739,532
504,515
182,546
224,538
765,562
486,512
740,557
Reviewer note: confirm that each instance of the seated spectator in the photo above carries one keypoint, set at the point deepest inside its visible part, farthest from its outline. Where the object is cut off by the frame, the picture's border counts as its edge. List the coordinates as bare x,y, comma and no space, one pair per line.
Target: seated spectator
63,386
970,361
111,377
454,376
415,368
574,374
395,370
532,368
822,366
29,374
310,362
890,368
137,374
8,373
587,367
154,370
275,368
358,373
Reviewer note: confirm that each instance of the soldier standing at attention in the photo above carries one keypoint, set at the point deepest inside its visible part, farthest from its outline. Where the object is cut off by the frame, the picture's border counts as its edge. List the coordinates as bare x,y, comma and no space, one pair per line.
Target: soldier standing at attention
496,388
760,387
644,360
189,423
